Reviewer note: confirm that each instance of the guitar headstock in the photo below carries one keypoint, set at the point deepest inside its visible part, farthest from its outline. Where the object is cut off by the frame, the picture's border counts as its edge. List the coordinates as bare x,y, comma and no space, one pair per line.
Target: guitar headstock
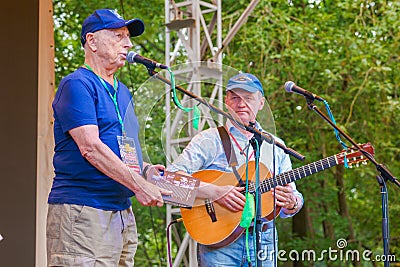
354,156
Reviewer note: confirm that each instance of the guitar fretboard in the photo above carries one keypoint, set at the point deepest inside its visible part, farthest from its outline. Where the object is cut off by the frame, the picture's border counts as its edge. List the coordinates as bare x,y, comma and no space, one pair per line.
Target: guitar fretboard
296,174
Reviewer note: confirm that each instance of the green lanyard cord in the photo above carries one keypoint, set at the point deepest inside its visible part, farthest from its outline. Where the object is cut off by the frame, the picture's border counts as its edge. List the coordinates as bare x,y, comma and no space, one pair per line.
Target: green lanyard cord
113,97
336,132
196,110
249,208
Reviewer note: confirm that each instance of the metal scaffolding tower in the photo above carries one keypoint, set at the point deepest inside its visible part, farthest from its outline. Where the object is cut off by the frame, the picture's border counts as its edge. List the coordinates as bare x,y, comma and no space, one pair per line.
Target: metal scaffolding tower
193,29
193,46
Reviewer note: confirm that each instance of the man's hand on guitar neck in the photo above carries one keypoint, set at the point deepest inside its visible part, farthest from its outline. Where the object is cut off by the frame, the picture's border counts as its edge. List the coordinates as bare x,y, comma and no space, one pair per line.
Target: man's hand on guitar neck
286,199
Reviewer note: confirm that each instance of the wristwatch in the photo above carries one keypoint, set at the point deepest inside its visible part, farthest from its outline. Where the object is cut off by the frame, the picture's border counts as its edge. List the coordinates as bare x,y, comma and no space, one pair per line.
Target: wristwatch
146,169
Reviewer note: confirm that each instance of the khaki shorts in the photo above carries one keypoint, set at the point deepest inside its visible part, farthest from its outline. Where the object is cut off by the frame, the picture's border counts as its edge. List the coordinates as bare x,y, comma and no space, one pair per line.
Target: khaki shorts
84,236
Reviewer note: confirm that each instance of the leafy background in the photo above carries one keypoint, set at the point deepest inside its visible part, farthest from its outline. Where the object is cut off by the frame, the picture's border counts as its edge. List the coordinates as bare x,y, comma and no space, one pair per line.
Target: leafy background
347,51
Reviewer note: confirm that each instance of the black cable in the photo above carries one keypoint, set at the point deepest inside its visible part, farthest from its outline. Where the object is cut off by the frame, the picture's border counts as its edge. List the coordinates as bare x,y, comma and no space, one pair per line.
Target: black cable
169,241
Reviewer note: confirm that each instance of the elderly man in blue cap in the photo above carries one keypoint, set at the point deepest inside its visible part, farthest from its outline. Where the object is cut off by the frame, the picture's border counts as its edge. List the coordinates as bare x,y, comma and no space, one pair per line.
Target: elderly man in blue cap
244,99
97,161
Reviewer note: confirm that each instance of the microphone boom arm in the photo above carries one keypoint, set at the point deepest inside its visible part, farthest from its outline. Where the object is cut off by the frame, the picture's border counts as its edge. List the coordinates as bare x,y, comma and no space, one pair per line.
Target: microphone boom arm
380,167
264,135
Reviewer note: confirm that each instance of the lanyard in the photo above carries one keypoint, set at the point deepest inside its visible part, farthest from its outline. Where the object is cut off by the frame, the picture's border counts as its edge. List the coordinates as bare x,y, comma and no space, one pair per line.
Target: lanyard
240,148
113,97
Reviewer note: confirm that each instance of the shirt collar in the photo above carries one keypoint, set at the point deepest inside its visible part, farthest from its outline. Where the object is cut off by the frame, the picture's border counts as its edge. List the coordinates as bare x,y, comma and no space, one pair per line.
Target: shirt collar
235,131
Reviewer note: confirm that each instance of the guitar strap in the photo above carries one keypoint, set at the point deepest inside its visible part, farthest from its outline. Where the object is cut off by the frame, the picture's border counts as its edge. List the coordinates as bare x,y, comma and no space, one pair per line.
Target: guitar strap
230,153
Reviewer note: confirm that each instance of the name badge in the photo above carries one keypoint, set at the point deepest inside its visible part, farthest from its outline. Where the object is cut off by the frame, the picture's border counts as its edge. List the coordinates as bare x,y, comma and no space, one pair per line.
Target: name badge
128,152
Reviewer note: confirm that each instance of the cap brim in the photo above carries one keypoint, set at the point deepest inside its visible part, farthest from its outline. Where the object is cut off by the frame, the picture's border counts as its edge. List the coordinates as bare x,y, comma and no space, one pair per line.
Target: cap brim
135,27
245,87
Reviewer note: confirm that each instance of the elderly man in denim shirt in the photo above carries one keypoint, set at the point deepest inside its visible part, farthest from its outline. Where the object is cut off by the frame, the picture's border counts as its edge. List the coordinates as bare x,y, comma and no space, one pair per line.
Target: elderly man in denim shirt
244,98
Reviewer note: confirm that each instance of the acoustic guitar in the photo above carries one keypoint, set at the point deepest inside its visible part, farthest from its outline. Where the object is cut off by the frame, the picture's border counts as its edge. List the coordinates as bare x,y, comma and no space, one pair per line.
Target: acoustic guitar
215,226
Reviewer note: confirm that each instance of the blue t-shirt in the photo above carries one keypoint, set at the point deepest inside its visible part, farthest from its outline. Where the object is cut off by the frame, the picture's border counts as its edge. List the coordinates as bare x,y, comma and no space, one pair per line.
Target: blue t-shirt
82,100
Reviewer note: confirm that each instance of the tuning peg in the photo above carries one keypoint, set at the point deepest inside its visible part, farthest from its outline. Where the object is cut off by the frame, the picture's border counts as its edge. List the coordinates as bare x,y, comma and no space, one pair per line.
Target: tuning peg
364,162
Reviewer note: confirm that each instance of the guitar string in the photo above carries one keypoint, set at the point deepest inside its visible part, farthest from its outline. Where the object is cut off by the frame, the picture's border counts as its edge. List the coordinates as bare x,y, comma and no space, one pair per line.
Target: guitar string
286,177
306,169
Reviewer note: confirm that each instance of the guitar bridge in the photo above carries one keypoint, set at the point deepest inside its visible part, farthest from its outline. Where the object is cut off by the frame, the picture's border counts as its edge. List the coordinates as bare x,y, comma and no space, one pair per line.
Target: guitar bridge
210,210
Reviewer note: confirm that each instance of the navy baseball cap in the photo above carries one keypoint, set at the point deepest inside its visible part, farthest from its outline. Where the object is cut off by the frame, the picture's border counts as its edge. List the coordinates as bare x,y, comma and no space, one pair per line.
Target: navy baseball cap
245,81
109,19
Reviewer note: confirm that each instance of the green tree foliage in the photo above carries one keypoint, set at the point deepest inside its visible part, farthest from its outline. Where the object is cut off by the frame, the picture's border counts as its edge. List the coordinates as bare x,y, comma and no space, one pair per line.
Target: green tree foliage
348,53
345,51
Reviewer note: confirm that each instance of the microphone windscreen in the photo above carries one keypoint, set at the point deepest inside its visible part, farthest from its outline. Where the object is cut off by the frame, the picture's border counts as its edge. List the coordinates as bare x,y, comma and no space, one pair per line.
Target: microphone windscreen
288,86
130,57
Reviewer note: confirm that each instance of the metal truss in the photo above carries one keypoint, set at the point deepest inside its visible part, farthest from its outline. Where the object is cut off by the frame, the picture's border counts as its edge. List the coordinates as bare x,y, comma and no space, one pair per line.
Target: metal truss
194,45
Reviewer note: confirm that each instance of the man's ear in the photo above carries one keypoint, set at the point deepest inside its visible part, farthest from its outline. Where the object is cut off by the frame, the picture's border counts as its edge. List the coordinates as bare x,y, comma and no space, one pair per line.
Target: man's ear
262,102
91,41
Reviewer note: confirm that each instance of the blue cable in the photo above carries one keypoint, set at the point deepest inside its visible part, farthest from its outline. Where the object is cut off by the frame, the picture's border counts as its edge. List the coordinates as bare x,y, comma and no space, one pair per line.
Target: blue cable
336,132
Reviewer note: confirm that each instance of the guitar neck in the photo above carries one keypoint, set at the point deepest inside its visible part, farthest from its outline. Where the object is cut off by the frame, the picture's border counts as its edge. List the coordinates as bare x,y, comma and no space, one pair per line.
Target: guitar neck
298,173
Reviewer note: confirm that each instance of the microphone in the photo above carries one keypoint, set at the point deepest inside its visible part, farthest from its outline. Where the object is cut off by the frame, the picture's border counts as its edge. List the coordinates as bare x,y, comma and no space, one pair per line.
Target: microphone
133,57
292,87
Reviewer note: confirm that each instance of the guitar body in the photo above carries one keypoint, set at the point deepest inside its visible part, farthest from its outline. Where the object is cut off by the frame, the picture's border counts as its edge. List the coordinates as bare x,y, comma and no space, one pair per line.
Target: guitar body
226,228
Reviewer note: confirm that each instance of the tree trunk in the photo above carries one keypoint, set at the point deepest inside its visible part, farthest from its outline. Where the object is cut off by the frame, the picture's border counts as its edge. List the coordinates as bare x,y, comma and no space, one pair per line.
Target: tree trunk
302,227
343,207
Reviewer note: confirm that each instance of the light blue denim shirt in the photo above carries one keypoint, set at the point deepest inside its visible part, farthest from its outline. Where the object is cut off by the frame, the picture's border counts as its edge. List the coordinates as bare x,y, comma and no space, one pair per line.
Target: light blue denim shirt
205,152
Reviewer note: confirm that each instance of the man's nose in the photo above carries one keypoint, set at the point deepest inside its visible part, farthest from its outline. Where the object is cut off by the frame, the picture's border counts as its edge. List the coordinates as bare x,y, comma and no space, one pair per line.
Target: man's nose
128,42
242,102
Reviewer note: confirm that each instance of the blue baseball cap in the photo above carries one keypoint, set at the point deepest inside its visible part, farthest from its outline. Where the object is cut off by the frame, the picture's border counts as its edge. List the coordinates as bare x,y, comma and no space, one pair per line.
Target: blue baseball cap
245,81
109,19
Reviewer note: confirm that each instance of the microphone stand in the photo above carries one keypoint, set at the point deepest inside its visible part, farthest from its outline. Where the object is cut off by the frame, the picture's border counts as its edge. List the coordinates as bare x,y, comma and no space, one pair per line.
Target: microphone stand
255,142
259,136
383,176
